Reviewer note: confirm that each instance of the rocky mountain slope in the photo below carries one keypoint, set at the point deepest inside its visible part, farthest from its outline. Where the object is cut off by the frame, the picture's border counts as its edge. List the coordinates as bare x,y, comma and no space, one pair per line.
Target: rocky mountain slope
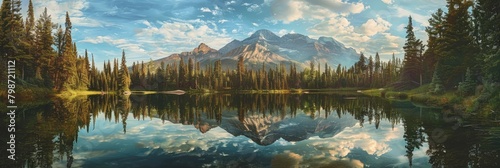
265,47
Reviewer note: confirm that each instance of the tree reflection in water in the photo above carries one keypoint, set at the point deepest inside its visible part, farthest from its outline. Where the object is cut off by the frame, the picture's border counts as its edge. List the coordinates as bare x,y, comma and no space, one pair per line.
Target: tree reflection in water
45,134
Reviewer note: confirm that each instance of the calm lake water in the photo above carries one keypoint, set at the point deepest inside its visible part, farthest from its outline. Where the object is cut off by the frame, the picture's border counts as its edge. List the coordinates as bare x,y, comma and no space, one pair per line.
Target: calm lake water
248,130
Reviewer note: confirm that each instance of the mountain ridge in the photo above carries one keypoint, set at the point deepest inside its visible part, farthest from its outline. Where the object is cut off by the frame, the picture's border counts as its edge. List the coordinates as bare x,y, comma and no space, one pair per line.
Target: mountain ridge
265,47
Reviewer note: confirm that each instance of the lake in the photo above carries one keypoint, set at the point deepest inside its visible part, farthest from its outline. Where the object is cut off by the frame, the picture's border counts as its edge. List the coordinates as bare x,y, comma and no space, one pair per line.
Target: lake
249,130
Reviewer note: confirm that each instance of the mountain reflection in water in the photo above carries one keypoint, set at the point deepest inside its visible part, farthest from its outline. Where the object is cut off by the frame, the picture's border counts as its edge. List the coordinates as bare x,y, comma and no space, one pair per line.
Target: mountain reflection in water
247,130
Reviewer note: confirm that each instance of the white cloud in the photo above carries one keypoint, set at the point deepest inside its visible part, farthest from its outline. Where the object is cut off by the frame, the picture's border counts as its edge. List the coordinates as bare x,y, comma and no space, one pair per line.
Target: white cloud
255,24
401,12
282,32
230,2
135,50
253,8
215,11
292,10
58,9
369,38
222,21
246,4
339,27
286,10
339,6
181,35
205,9
104,39
374,26
234,31
387,1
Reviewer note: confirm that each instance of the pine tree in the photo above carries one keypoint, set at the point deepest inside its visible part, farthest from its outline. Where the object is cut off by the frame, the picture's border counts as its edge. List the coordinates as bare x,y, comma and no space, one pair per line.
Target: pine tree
182,80
12,35
459,50
486,19
467,87
412,67
436,86
65,74
435,32
370,68
44,53
124,76
240,70
29,40
360,66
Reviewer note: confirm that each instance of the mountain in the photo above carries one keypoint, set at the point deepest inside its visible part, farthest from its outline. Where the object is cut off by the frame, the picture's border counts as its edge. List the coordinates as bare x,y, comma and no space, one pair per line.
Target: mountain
264,46
265,130
203,53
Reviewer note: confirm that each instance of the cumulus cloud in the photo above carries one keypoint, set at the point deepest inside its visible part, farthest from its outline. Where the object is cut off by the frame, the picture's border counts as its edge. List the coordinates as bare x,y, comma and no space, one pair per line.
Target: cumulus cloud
205,9
58,9
253,8
169,35
369,38
291,10
374,26
387,1
215,11
284,31
339,6
230,2
340,28
136,50
286,10
401,12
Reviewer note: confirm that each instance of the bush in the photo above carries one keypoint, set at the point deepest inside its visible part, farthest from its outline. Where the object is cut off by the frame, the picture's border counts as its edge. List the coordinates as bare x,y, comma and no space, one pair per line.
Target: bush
467,87
436,87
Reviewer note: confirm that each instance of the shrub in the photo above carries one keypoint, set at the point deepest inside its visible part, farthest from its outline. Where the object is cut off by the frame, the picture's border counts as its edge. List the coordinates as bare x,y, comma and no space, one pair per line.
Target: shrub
436,86
467,87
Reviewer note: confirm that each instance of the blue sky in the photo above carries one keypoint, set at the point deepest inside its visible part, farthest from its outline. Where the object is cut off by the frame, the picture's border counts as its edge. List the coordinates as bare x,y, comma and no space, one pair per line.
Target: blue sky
152,29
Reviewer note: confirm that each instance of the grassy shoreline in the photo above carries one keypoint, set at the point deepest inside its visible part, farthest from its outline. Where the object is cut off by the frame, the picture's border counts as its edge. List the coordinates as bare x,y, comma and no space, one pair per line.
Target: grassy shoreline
418,96
421,97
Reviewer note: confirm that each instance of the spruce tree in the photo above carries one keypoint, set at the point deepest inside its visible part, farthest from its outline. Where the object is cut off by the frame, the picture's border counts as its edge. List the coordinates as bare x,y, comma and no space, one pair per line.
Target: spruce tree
436,86
487,31
459,49
467,87
435,32
412,67
124,76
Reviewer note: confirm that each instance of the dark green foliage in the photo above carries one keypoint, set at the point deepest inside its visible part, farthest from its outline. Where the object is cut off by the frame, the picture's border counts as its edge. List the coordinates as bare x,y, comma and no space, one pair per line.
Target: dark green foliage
124,76
435,32
411,73
436,86
468,86
459,49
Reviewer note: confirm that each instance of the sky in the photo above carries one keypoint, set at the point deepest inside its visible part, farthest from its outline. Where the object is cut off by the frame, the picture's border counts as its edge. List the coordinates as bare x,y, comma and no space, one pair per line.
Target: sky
153,29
